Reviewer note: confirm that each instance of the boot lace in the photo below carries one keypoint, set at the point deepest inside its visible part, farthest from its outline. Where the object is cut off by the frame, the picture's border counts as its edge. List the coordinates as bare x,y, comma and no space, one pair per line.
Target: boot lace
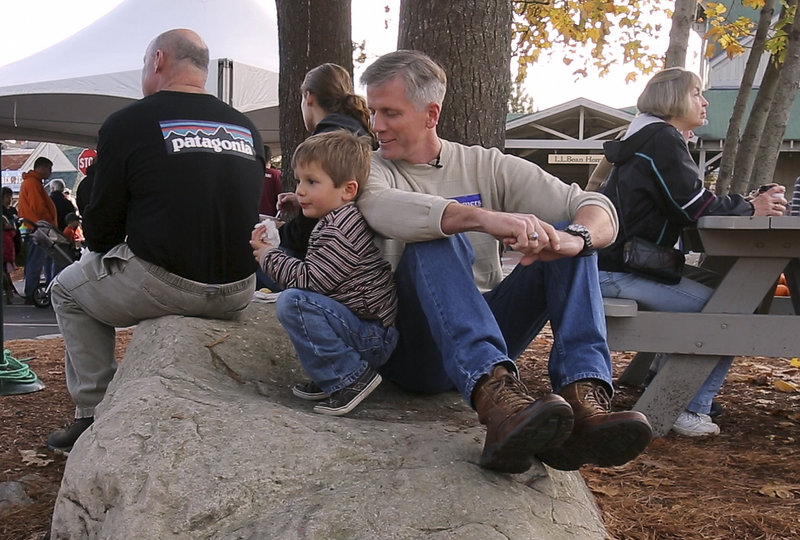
509,392
596,397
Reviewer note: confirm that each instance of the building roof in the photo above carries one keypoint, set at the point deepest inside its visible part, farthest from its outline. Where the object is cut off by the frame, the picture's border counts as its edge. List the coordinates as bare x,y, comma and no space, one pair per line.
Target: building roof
577,124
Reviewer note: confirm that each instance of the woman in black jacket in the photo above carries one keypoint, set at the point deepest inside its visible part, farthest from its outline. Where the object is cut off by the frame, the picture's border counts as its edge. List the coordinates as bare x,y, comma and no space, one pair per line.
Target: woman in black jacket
328,104
658,190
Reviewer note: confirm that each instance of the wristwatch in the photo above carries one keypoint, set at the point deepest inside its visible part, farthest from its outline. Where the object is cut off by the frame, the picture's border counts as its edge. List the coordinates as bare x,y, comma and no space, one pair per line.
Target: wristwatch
576,229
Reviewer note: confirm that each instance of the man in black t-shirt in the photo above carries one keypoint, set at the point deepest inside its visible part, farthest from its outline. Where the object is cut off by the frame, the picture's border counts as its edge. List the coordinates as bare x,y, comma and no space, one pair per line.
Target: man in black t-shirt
175,195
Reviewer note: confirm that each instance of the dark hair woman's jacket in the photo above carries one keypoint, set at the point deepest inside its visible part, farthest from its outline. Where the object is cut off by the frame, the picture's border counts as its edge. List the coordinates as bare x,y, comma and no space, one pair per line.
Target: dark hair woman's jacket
657,190
295,234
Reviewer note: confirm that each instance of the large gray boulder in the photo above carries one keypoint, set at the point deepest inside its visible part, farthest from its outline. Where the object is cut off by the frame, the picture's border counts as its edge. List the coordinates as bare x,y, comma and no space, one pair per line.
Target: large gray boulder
199,436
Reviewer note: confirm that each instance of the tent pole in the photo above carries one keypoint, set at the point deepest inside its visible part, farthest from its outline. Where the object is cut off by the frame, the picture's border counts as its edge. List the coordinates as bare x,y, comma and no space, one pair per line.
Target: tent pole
3,294
225,80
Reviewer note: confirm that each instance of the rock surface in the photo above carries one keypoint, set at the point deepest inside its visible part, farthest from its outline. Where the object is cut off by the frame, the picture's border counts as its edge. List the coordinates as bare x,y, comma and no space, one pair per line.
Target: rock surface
200,437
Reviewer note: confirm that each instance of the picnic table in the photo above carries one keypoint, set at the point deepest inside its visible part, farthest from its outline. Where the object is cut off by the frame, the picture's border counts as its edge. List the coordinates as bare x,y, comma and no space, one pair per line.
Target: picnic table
742,317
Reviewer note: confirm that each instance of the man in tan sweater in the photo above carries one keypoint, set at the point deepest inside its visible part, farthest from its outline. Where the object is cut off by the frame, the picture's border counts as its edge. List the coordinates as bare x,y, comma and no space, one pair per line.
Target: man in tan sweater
443,208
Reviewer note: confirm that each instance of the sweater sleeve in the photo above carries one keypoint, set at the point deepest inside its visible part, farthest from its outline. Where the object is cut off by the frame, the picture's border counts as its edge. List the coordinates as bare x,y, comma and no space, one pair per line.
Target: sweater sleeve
328,264
527,188
397,213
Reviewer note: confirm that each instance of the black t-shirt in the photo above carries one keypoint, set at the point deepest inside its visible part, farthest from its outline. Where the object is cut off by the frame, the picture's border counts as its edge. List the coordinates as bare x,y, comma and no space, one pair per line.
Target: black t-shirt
178,176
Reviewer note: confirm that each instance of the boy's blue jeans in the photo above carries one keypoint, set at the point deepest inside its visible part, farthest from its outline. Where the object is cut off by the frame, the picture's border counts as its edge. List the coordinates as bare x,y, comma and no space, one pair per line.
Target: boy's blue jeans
334,346
451,334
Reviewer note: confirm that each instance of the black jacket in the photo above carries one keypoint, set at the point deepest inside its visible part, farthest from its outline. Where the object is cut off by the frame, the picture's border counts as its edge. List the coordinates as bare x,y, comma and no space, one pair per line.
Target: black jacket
295,234
657,190
63,207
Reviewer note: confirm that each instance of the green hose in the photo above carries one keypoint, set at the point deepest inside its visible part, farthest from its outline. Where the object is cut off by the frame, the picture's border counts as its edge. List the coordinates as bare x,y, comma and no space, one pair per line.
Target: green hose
13,370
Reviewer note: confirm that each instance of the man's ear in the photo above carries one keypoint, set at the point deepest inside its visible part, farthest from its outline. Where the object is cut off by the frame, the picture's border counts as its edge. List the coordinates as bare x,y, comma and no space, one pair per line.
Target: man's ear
433,110
158,61
350,190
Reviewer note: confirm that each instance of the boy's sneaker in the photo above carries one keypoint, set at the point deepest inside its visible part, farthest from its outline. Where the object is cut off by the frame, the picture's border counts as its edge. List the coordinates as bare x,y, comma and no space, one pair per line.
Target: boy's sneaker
695,425
62,440
345,400
309,391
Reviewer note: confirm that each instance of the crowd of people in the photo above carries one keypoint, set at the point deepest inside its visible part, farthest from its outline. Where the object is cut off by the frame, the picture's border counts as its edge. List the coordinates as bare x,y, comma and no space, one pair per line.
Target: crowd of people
390,267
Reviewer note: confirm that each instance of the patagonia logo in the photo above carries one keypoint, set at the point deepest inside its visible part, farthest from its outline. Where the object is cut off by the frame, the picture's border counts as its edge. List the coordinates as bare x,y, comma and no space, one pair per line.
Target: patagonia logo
185,136
469,200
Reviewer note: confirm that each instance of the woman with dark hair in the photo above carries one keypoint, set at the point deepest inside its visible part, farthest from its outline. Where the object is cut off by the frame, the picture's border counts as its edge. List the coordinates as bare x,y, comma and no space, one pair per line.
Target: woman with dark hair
328,104
658,190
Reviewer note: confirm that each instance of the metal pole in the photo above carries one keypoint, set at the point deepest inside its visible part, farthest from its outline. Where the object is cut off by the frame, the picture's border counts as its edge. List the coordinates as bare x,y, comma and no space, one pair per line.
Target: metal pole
3,302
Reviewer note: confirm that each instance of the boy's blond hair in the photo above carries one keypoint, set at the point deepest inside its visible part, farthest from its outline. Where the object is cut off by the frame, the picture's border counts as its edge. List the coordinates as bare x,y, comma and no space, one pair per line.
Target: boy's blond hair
341,154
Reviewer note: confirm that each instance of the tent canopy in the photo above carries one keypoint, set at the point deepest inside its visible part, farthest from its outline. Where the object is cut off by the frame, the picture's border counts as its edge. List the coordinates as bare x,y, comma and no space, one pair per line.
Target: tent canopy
64,93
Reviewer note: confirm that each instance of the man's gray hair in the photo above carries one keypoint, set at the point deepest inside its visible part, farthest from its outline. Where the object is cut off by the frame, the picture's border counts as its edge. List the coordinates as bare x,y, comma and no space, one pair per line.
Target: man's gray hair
57,185
178,44
425,80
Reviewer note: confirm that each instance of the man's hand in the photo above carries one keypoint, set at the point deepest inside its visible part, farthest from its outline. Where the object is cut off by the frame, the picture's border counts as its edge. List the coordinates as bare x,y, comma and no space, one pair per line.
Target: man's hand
537,240
260,247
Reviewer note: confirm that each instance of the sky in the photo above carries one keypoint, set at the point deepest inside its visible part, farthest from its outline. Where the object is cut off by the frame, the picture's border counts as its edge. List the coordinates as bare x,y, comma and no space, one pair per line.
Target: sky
28,26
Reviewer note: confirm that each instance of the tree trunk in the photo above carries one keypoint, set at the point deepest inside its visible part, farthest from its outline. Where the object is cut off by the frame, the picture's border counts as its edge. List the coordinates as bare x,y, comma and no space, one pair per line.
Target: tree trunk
778,119
310,33
682,20
731,144
745,156
471,40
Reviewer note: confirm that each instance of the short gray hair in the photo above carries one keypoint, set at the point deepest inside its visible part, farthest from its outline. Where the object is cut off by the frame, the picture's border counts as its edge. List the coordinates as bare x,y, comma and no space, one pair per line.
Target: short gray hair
183,45
425,80
57,185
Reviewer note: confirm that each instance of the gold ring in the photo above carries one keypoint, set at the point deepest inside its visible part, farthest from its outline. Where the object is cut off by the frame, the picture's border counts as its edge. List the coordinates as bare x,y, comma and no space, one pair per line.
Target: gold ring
533,236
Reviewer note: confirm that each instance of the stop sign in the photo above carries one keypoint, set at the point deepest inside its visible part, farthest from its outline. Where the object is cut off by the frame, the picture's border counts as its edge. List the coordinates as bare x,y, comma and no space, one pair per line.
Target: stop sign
86,158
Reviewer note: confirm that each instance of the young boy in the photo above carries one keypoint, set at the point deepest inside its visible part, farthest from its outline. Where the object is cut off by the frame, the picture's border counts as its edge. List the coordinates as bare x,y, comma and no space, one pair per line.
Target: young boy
73,230
338,304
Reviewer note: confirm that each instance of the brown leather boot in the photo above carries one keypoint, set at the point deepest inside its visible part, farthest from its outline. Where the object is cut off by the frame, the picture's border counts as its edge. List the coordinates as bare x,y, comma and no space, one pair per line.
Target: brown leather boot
600,437
517,426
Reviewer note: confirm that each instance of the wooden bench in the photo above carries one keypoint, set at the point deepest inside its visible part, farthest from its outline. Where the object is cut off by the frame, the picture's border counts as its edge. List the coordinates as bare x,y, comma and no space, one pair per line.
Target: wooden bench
635,372
693,343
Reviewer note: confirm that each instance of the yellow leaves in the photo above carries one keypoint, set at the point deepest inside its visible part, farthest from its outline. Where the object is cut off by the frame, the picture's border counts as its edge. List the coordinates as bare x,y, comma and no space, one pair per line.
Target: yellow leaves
605,26
795,362
725,34
714,9
780,491
784,386
758,5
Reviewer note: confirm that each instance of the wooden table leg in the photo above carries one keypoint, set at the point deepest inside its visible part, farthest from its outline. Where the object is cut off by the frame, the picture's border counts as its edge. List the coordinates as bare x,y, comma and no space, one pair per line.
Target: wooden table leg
677,382
636,371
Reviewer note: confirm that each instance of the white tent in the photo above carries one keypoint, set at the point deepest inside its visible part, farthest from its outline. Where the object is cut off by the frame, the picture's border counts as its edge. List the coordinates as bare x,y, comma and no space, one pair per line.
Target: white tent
64,93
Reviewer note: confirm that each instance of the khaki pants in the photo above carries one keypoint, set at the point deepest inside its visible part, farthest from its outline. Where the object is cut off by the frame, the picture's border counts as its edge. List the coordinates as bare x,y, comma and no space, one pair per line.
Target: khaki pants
100,292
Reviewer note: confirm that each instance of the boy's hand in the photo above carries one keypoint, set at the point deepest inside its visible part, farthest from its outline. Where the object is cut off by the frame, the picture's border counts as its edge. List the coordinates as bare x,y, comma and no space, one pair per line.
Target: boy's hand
258,244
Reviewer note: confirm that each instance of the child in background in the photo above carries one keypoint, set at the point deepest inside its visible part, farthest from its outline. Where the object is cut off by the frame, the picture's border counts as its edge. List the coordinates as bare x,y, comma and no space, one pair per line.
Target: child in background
73,230
339,303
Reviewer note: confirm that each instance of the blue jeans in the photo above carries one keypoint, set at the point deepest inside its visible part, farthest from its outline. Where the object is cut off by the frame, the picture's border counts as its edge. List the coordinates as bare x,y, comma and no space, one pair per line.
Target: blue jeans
451,334
334,346
36,261
687,296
